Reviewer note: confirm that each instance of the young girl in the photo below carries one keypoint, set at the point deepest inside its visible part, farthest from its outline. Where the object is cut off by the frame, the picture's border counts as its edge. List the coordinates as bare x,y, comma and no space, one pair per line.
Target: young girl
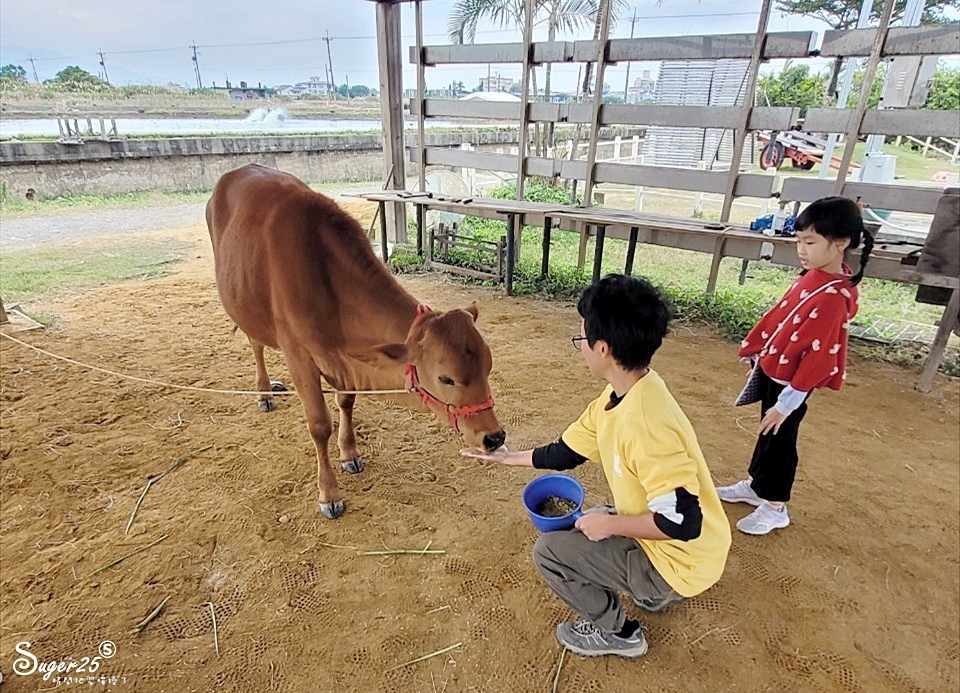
799,345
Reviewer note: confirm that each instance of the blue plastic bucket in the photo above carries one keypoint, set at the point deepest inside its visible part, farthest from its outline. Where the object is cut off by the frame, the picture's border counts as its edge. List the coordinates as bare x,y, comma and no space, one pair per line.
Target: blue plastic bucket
559,485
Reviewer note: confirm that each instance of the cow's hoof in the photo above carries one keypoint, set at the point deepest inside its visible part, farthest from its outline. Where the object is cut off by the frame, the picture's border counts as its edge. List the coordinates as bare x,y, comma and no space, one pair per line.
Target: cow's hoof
332,511
266,405
354,466
277,386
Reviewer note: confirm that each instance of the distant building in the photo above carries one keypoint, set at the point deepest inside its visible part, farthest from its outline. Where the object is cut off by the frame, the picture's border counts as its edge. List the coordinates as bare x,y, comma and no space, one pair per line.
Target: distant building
243,92
643,88
497,83
315,86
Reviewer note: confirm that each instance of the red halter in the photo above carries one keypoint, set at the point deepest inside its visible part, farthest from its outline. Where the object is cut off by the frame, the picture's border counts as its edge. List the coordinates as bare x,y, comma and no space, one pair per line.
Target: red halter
454,413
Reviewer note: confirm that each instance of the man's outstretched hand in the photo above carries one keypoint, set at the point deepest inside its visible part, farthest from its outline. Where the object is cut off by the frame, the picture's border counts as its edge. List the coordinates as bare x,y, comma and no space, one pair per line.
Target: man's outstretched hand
498,455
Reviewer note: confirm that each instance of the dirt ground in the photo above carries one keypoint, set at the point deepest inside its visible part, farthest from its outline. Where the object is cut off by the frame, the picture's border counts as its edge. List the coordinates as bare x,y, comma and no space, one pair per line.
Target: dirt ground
861,593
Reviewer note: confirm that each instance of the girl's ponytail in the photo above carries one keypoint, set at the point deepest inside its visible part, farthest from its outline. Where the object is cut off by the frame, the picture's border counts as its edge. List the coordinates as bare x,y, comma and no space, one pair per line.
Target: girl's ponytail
864,256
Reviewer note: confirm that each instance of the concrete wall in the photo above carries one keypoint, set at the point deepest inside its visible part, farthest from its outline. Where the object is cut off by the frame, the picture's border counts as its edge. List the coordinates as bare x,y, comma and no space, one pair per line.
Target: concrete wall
50,169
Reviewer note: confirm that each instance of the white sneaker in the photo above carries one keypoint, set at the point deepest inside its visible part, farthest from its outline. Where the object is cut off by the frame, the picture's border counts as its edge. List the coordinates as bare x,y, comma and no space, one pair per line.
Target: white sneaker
764,520
740,492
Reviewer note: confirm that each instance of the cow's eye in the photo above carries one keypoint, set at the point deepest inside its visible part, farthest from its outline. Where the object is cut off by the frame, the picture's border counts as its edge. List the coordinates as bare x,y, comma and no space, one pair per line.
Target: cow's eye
444,380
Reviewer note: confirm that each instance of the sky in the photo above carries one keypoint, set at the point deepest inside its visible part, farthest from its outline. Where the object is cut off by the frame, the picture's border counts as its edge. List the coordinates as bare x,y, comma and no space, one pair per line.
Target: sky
276,42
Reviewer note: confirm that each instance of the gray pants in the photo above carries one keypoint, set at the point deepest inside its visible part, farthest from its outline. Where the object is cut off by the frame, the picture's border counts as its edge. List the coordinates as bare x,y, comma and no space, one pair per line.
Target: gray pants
588,575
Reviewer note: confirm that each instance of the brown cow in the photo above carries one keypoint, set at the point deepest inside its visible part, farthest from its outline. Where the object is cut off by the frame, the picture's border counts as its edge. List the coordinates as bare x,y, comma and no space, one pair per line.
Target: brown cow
296,273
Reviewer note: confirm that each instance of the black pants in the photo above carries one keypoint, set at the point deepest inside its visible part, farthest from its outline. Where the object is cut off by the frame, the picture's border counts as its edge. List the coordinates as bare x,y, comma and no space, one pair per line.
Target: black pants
774,463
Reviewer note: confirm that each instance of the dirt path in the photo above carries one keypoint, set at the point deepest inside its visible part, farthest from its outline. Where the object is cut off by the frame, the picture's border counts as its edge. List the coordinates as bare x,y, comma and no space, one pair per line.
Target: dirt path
860,594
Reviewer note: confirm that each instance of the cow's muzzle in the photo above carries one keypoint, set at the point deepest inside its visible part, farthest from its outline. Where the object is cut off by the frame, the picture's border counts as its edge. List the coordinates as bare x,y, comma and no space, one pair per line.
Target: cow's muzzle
494,440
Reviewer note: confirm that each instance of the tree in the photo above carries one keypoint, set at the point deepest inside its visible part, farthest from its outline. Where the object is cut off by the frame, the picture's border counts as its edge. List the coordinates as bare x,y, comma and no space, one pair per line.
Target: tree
843,14
73,78
793,87
13,74
876,89
944,94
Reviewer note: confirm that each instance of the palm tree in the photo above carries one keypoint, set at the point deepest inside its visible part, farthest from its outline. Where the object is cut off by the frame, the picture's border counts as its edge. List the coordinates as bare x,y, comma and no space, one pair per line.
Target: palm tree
564,15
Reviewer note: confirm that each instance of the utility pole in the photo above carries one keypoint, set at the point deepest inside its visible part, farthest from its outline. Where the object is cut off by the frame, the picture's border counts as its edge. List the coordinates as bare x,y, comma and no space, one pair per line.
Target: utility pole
196,65
103,64
626,84
330,60
34,66
348,87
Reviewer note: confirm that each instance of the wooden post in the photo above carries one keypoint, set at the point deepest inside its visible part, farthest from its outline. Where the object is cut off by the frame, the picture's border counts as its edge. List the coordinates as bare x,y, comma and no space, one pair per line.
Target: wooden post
718,249
3,314
511,260
598,252
545,261
631,250
390,63
749,93
421,99
383,234
939,345
584,232
420,230
597,103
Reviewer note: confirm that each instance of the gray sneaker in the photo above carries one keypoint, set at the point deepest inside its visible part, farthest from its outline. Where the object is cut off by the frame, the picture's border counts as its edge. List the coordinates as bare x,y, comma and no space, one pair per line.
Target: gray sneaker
657,604
764,520
740,492
586,639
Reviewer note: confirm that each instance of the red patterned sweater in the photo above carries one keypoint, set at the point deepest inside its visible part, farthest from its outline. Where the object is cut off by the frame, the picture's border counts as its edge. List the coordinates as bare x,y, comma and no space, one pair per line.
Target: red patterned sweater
809,351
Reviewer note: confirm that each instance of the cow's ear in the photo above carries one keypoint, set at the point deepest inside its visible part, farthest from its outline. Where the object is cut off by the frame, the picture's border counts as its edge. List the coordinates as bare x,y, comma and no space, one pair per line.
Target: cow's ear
384,355
474,310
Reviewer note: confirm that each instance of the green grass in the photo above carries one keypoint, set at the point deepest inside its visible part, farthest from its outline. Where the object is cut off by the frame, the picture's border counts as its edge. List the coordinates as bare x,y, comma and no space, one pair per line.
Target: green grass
30,275
19,208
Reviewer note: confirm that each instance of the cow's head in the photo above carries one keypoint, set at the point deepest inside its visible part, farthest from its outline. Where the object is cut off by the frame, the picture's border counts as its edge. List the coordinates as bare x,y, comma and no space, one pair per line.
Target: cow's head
447,365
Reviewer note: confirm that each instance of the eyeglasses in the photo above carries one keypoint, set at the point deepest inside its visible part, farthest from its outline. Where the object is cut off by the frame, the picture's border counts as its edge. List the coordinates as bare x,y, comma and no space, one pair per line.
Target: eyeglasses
576,341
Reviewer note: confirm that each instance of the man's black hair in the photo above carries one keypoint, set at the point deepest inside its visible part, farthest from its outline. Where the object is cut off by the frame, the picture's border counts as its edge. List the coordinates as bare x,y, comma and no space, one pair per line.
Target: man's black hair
629,314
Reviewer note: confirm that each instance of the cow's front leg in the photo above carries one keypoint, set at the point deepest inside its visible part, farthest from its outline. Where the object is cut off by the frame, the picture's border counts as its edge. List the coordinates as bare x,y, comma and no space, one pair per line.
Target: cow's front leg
306,378
265,401
350,461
